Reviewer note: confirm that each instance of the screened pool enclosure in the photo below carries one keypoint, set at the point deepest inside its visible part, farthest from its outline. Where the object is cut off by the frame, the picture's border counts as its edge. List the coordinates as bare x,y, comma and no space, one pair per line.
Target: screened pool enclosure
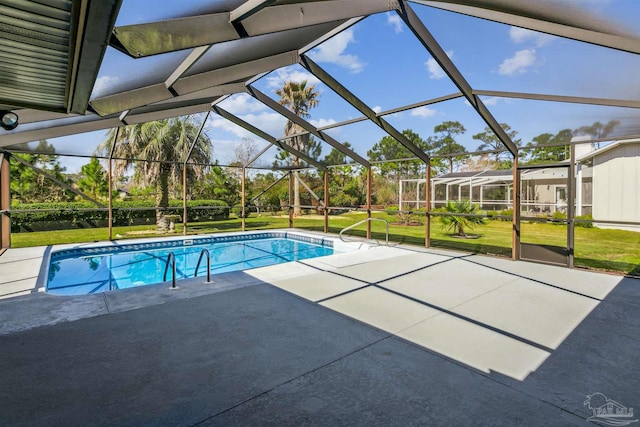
416,103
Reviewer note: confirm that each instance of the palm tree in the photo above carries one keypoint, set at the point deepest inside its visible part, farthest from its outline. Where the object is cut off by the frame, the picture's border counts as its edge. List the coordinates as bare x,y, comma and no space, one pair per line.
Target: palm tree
459,223
299,99
157,151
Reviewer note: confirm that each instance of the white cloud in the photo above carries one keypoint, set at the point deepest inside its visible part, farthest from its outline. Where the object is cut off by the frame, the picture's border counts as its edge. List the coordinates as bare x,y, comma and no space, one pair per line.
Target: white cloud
377,109
490,101
281,75
102,85
224,149
242,103
322,122
434,69
217,122
522,35
423,112
271,123
394,20
519,63
332,51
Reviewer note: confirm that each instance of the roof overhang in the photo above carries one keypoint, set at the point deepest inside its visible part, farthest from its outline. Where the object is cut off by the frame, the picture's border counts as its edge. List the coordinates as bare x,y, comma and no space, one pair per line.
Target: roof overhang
50,52
609,147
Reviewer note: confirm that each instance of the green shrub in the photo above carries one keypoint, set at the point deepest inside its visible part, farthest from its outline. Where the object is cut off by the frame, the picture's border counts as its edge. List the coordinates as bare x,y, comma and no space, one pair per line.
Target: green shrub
503,215
26,215
343,200
559,215
506,212
588,224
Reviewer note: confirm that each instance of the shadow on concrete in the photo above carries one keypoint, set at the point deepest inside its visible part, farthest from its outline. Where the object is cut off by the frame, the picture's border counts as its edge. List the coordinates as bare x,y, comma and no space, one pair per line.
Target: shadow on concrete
258,355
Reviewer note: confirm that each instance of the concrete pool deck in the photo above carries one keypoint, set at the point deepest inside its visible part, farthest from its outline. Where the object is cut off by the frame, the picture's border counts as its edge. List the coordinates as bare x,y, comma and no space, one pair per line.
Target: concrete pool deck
386,336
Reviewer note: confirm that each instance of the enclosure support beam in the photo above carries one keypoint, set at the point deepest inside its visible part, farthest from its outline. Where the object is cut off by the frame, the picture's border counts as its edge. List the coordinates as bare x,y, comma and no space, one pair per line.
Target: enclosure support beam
345,94
427,207
268,188
369,183
243,197
311,192
571,200
326,201
429,42
257,156
247,9
291,177
515,235
511,13
254,130
60,183
5,203
110,183
265,99
184,174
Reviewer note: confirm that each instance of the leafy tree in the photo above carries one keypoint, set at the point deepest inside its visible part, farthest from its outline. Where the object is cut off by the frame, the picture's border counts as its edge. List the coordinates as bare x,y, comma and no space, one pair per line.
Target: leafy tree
312,149
346,187
444,143
276,196
164,144
219,184
490,141
547,147
92,179
336,157
388,150
29,186
597,130
544,149
299,99
459,223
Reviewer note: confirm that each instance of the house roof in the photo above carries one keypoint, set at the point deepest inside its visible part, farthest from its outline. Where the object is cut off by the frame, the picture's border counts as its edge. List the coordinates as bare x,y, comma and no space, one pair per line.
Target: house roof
609,147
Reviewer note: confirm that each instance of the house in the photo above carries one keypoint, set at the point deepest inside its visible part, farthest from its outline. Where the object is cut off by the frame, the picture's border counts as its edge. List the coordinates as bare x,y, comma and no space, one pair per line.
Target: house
615,195
607,187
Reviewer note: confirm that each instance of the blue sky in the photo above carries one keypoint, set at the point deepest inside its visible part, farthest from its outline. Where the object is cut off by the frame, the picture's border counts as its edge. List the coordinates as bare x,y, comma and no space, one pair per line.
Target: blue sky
383,63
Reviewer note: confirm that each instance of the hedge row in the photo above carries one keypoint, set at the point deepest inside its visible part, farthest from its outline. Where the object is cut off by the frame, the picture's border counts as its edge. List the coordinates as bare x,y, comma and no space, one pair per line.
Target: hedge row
124,212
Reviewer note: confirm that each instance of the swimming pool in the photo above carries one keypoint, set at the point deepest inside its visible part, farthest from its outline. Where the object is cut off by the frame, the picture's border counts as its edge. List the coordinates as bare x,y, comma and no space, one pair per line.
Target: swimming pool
81,271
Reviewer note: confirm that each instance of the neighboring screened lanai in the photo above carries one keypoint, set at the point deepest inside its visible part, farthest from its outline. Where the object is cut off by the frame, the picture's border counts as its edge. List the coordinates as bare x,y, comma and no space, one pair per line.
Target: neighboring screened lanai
513,74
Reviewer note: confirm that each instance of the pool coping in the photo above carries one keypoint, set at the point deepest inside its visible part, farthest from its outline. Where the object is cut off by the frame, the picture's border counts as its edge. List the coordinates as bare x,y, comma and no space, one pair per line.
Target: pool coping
64,251
33,308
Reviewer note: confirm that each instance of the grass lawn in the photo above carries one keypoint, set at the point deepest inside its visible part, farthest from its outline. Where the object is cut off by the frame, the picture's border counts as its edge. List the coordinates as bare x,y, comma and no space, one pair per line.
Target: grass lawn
611,250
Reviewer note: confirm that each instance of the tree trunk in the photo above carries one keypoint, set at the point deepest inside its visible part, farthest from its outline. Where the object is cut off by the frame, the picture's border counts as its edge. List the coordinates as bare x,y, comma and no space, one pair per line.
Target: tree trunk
298,143
162,199
297,211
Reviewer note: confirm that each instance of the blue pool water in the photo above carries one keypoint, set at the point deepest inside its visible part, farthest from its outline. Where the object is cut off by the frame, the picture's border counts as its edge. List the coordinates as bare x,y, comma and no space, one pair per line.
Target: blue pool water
78,272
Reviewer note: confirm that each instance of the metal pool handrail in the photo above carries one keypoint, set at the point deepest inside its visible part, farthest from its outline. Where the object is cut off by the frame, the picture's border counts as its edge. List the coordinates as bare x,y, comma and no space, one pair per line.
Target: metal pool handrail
202,252
173,270
386,223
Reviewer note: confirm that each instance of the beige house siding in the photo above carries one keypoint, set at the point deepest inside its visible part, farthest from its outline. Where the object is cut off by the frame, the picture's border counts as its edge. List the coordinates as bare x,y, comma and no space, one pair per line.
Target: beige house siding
616,184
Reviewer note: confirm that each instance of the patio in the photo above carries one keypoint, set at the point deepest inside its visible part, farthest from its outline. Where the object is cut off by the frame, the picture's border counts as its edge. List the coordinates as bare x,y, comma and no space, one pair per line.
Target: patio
385,336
